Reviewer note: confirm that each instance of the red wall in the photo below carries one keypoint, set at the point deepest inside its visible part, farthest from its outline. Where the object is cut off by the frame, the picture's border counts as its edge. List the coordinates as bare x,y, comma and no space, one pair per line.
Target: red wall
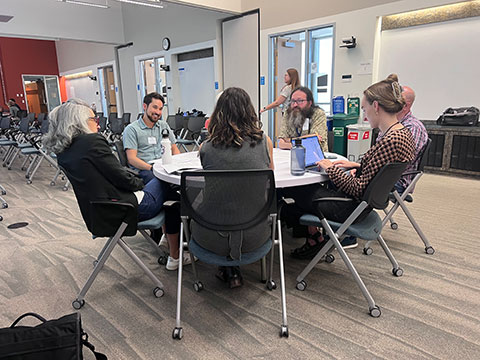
24,57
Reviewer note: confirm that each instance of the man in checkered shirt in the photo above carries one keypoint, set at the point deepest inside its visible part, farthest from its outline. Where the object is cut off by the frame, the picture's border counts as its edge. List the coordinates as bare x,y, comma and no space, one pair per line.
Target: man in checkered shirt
419,134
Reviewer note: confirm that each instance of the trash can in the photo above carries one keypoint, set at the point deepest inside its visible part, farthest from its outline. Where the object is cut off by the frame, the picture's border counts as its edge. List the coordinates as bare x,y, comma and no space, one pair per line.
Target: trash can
340,121
359,141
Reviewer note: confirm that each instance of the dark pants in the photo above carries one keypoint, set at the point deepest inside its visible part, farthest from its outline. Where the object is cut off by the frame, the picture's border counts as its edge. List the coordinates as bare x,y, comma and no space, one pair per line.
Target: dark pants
337,211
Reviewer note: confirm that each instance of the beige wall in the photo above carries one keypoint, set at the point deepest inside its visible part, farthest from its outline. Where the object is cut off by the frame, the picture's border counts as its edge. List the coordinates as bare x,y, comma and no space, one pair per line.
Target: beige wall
282,12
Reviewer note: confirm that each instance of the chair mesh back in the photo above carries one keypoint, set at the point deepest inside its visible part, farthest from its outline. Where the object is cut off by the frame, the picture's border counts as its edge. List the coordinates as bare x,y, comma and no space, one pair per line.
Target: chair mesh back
196,123
117,125
228,200
41,117
376,194
24,125
44,126
122,156
423,155
126,118
5,124
102,122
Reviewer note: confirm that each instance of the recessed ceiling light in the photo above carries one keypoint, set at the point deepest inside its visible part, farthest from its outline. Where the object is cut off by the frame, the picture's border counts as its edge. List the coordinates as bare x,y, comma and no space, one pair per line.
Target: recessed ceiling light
80,2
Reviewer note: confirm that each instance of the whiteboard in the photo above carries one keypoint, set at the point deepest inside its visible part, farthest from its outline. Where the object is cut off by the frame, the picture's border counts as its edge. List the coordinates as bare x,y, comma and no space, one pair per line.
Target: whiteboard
440,62
197,84
241,62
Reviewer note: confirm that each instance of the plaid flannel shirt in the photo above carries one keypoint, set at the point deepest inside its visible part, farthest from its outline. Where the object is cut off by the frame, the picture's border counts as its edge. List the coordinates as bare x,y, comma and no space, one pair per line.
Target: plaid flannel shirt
395,146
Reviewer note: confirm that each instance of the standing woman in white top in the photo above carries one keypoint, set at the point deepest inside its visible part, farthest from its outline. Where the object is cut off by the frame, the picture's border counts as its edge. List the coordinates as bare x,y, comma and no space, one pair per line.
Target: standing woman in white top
291,81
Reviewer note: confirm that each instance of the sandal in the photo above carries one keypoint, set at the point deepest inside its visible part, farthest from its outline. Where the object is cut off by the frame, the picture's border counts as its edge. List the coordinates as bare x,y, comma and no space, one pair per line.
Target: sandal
230,275
222,274
236,279
308,251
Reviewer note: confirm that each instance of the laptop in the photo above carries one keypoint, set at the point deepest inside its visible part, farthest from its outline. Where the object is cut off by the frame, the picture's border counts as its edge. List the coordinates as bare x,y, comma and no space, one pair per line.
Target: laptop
314,153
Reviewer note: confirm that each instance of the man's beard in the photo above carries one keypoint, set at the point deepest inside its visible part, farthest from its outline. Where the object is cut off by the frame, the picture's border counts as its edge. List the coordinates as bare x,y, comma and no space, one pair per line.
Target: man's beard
152,119
297,116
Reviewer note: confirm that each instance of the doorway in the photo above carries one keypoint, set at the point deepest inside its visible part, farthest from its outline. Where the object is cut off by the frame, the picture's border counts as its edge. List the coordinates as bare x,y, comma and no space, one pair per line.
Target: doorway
107,89
309,51
42,93
153,78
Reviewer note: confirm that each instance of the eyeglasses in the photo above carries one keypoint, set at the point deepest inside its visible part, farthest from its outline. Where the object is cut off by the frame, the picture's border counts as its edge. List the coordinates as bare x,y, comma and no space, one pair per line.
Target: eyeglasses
95,118
299,101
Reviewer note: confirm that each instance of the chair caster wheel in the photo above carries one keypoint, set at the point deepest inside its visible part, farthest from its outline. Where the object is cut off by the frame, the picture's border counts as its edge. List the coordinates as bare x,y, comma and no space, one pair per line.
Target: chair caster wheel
65,188
4,205
26,176
397,272
1,218
284,331
302,285
429,250
52,183
375,312
271,285
394,226
4,192
329,258
162,260
29,181
158,292
78,304
9,168
177,333
368,251
198,286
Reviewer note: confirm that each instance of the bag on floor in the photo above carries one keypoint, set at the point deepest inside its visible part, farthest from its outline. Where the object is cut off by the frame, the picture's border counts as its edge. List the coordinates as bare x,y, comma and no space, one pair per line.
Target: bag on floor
60,339
464,116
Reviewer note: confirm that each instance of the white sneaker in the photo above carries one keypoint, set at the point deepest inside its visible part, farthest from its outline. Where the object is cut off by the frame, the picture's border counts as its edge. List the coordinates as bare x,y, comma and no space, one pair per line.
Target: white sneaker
172,264
163,244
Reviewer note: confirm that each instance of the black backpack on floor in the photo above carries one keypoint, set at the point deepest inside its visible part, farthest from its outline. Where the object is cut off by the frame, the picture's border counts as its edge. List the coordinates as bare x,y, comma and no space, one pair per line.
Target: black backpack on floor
60,339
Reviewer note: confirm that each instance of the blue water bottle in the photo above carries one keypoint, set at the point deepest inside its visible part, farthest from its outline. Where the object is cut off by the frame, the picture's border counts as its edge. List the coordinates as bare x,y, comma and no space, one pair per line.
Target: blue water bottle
297,158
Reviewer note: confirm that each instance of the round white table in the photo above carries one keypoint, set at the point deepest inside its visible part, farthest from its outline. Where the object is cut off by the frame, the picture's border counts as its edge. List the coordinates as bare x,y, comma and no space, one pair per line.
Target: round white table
281,159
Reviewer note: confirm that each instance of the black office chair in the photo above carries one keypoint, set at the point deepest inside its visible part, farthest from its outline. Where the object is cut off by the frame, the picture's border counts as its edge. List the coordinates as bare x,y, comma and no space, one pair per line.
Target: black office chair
115,219
400,201
217,200
368,228
126,118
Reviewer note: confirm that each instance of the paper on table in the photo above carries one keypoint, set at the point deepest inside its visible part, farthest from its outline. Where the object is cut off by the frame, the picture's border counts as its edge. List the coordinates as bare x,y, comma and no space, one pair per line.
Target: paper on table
178,166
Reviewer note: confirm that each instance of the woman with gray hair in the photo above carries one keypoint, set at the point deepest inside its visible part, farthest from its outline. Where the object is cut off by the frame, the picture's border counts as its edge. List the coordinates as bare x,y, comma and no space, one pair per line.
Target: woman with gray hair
93,170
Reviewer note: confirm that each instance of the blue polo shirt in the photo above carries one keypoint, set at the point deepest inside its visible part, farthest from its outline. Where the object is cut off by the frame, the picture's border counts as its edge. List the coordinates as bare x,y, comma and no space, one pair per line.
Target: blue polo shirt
137,134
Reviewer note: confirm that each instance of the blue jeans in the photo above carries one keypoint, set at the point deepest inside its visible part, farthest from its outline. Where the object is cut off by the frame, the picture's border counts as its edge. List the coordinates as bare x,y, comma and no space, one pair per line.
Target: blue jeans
146,175
153,198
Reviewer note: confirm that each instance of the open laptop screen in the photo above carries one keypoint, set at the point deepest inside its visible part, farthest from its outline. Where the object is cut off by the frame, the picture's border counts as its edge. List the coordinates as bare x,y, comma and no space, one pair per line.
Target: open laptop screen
313,150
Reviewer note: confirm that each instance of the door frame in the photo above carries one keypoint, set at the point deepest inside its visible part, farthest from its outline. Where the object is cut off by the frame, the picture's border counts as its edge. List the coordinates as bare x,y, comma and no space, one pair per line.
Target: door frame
46,97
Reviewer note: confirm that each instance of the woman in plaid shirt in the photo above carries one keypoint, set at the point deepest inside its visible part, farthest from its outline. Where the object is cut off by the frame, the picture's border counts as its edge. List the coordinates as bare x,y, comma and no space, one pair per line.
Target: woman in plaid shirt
380,104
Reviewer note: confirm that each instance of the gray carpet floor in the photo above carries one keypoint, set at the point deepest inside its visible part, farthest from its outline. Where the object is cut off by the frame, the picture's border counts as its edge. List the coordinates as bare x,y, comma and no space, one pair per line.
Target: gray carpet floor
432,312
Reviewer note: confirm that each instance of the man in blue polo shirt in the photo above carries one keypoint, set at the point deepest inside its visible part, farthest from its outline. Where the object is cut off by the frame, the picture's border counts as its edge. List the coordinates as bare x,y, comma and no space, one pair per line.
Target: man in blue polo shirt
141,139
